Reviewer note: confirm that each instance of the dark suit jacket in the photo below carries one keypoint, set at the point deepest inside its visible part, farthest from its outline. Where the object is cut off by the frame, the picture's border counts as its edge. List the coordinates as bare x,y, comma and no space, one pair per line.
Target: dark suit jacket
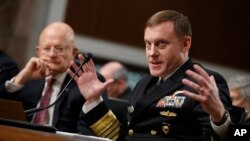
8,68
158,115
67,109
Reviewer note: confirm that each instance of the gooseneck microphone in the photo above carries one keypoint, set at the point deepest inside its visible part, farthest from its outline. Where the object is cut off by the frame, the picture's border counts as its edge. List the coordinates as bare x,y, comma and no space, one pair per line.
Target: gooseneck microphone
32,111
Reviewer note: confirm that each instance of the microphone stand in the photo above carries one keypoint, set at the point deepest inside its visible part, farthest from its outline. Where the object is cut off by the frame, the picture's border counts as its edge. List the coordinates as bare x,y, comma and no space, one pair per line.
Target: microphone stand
32,111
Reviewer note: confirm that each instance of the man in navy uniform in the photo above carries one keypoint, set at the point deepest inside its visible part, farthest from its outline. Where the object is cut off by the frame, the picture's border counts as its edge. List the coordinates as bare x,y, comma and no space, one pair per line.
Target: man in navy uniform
159,108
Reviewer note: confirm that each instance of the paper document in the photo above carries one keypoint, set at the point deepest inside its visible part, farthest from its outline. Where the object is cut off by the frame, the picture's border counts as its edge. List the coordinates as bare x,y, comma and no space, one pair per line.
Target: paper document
79,137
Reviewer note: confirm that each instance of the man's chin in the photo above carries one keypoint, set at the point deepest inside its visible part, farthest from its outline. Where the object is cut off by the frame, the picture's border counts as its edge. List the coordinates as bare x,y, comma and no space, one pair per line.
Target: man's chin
55,72
155,73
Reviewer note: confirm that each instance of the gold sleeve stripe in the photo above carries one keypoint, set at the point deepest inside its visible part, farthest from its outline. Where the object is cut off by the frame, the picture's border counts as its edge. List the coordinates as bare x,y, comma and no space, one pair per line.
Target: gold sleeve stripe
115,137
111,130
114,133
104,123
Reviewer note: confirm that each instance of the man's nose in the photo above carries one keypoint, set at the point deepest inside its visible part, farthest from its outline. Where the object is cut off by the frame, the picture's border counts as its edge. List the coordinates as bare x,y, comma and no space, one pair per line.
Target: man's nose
52,52
153,50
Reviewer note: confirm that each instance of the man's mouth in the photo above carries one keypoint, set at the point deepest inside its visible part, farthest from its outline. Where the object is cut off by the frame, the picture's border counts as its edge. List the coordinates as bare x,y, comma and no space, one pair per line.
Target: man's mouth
155,62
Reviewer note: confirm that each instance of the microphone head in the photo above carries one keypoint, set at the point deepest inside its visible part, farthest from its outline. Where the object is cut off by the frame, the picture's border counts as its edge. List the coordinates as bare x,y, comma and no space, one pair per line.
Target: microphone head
87,57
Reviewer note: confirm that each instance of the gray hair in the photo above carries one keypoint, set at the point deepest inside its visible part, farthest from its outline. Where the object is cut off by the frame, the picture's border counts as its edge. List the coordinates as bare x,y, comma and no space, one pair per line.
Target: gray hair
242,83
120,74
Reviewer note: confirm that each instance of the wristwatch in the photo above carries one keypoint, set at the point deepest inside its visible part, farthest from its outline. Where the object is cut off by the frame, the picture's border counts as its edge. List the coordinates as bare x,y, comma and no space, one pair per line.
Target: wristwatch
223,120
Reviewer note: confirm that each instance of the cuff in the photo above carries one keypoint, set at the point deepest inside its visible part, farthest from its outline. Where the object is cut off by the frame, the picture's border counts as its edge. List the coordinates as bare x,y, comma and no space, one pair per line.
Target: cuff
223,128
95,114
11,87
87,108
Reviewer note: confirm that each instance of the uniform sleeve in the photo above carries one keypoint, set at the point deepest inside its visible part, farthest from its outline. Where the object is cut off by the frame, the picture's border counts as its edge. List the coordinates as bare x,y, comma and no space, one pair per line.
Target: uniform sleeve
103,122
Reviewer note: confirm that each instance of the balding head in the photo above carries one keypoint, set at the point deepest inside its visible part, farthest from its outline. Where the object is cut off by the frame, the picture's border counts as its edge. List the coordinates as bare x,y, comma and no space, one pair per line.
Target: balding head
57,29
114,70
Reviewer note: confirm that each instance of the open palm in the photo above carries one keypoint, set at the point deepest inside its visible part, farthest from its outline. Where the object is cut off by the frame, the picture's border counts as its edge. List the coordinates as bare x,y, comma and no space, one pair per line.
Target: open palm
89,85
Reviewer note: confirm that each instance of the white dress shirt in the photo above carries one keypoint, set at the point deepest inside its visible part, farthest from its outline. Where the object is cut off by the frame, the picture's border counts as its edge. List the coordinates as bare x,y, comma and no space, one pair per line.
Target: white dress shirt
11,87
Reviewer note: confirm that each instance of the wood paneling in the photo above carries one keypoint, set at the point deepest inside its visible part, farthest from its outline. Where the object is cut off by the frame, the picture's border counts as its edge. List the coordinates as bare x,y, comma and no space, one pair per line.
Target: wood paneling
220,28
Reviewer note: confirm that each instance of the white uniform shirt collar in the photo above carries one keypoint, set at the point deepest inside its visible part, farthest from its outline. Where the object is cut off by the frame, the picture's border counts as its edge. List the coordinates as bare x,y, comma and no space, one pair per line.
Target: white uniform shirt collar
166,77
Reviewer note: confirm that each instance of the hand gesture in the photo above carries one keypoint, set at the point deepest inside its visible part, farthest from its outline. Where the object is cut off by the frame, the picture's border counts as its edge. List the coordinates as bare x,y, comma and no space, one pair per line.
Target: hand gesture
90,86
207,92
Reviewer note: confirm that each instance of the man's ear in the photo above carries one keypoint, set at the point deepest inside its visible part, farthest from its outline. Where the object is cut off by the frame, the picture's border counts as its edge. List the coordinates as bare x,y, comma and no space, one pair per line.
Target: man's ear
75,51
38,50
187,43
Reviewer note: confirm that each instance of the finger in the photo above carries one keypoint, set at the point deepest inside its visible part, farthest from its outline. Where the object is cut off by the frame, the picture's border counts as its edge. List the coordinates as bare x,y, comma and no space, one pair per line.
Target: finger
75,77
43,65
76,68
213,81
193,96
42,68
202,72
47,71
191,84
37,64
81,58
107,83
197,77
92,66
85,67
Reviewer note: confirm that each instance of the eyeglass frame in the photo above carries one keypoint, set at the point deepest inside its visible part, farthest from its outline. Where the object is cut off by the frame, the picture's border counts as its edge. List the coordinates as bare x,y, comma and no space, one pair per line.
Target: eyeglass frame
57,49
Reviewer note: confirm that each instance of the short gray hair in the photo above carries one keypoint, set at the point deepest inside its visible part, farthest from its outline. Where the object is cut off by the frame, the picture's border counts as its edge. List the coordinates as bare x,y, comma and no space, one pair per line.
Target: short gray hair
242,83
121,74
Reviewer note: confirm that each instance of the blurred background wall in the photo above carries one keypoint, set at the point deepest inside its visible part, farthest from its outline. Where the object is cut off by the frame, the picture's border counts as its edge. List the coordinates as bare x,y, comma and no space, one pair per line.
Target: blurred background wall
113,30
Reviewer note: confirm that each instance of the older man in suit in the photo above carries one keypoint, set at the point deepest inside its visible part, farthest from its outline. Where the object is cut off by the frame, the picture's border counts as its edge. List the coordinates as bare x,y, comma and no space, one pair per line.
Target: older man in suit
33,85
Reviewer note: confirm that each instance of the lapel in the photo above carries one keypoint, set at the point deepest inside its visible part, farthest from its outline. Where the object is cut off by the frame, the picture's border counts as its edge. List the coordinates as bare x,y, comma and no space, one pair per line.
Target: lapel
168,87
60,101
33,92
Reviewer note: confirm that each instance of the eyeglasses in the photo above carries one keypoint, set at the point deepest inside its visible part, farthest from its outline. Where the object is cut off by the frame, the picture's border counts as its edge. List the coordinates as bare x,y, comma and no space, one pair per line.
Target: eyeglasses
59,50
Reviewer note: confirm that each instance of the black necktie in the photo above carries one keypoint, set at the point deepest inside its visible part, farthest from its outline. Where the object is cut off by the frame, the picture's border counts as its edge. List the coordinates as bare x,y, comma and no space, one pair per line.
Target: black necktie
159,82
154,86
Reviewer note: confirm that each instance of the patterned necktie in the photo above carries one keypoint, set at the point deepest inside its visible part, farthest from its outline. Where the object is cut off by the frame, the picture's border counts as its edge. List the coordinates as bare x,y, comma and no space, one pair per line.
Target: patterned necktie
41,116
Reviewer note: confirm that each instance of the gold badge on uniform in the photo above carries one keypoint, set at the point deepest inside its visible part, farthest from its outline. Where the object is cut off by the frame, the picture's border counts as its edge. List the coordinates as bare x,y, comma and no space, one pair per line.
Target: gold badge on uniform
173,101
168,113
165,129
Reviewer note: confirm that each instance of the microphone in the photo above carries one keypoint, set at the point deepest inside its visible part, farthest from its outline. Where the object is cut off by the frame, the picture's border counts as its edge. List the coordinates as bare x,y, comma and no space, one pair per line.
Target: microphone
32,111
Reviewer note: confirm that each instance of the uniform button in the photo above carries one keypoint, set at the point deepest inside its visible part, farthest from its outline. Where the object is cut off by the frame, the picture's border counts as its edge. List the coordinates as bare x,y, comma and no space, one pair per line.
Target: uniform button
153,132
130,109
130,132
165,129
